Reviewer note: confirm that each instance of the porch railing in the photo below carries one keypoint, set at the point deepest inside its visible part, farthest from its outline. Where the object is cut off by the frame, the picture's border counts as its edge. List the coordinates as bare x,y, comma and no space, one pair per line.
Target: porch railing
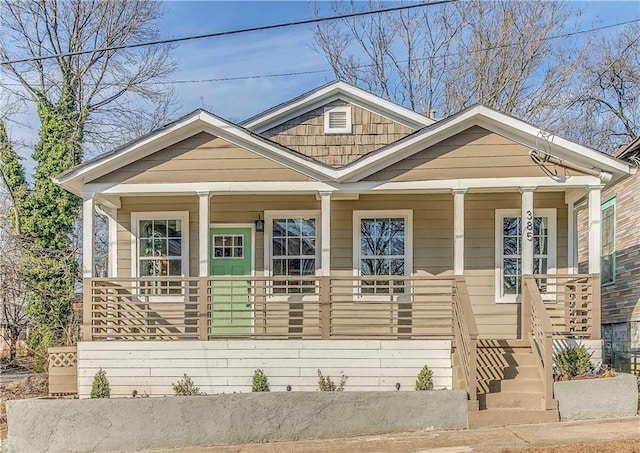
537,328
465,340
335,307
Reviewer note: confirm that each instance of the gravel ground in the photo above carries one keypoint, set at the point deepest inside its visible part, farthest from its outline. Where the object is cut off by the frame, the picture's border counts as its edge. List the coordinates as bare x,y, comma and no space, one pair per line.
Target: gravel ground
616,446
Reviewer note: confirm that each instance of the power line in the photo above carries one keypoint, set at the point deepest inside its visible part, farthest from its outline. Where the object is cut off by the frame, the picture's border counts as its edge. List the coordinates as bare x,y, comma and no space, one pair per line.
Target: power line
231,32
321,71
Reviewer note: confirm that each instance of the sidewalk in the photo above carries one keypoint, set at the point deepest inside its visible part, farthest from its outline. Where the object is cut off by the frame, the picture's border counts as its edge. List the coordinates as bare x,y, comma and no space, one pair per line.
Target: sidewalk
463,441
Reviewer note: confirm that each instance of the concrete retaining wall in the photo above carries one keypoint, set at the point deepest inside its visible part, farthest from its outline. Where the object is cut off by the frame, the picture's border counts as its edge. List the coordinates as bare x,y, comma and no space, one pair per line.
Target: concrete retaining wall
172,422
227,366
597,398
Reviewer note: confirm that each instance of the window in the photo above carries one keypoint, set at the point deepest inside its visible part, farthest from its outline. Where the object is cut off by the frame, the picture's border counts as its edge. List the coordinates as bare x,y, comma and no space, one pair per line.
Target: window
382,247
160,247
228,246
509,249
337,120
293,250
608,255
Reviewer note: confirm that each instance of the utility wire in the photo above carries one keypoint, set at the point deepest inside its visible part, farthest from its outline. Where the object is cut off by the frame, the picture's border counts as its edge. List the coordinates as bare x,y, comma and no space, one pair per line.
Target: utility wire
320,71
232,32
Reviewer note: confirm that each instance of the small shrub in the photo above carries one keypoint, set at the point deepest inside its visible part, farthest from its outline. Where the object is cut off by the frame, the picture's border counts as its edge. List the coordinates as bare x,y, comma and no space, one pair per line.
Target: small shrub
425,379
325,384
260,382
100,386
571,362
186,387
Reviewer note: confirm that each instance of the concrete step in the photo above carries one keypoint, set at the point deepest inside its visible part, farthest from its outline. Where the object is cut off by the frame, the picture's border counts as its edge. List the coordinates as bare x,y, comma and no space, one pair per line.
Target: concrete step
512,400
506,359
511,372
502,417
517,385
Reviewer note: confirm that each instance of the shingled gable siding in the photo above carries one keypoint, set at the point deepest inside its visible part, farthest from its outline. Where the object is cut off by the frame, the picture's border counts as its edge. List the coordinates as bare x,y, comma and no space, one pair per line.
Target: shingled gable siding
202,158
473,153
306,135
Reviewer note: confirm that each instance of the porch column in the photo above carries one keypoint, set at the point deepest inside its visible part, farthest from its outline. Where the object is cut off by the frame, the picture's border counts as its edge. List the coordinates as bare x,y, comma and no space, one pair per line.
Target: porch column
595,226
203,233
458,231
112,219
527,230
88,240
325,233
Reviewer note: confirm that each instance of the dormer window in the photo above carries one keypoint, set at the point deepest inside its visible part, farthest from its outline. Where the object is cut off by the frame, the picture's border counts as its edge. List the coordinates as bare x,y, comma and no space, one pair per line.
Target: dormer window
337,120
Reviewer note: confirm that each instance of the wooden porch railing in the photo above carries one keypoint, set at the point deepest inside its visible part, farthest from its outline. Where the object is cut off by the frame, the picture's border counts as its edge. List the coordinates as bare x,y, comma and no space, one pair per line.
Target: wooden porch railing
465,340
573,304
335,307
537,328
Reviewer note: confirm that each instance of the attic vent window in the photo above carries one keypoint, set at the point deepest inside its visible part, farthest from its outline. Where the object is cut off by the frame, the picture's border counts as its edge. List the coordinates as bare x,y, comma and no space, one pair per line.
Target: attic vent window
337,120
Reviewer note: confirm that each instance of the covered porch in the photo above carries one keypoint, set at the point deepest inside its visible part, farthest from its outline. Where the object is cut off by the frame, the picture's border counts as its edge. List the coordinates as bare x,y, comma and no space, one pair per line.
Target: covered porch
466,258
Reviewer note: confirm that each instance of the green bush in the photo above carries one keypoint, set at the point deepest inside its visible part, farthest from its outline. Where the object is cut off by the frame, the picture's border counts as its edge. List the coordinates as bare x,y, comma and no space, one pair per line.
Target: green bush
186,387
425,379
100,386
40,340
573,361
260,382
325,384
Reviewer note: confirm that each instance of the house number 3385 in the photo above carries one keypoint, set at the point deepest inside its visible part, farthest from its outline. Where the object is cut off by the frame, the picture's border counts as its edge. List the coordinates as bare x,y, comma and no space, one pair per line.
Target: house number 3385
528,226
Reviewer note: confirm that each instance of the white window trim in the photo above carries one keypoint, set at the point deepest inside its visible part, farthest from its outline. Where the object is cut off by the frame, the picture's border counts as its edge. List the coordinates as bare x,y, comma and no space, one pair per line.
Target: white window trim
407,214
551,214
337,130
269,216
183,216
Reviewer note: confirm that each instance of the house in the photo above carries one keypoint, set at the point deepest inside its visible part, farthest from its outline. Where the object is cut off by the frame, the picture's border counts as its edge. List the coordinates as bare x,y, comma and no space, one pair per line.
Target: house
342,232
620,266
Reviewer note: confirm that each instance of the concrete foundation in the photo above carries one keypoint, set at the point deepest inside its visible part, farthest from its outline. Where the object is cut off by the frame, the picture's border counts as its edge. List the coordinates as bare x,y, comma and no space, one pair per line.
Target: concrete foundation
171,422
597,398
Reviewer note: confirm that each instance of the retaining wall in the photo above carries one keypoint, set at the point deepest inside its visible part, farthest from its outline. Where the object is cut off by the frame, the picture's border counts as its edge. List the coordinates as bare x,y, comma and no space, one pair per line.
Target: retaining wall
226,366
153,423
597,398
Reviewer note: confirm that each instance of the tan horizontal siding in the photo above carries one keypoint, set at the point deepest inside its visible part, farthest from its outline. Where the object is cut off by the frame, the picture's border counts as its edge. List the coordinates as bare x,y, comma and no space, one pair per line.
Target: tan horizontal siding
473,153
202,158
306,135
432,236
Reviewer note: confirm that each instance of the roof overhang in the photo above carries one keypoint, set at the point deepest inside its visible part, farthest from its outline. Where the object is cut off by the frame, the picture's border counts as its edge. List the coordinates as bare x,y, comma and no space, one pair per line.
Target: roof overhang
329,93
202,121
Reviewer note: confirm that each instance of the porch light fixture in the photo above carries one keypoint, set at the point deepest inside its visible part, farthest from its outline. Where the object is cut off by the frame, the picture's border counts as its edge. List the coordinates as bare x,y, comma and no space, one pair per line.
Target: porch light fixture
259,224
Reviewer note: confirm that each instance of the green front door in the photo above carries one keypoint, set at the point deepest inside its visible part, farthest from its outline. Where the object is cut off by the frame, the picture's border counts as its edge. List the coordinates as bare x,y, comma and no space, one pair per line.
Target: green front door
231,254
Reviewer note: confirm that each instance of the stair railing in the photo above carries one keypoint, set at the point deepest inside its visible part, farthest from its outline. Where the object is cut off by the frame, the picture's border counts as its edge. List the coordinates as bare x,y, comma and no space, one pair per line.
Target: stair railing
465,337
537,328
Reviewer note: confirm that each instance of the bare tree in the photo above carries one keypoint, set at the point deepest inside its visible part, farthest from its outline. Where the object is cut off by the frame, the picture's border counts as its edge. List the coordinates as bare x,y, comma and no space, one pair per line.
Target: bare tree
14,319
607,97
448,57
108,86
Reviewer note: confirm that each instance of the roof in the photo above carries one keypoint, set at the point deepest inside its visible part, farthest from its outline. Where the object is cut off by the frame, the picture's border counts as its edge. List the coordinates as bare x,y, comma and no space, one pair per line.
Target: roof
632,149
327,93
429,135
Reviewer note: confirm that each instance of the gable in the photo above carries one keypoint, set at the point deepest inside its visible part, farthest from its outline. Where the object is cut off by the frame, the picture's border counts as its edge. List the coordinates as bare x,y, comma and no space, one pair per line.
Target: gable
202,158
305,133
473,153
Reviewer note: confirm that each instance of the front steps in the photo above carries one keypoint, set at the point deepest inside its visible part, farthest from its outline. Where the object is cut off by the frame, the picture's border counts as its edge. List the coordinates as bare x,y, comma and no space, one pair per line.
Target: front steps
510,386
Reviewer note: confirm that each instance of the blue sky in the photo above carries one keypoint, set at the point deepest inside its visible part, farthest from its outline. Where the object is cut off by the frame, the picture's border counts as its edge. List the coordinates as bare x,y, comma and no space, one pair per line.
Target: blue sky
257,53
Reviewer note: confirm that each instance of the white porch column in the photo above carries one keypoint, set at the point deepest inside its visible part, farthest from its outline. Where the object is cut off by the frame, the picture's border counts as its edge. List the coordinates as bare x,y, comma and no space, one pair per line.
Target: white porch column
458,231
88,239
572,264
112,219
595,226
203,233
527,230
325,233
